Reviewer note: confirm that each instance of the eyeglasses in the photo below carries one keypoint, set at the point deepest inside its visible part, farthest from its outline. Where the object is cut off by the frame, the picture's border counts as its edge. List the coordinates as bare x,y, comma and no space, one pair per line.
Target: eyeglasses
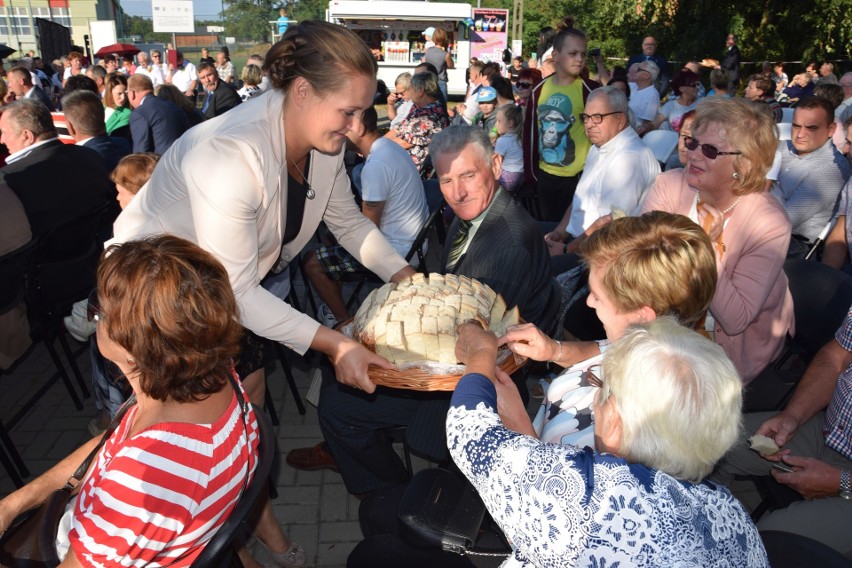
93,307
710,152
596,118
523,85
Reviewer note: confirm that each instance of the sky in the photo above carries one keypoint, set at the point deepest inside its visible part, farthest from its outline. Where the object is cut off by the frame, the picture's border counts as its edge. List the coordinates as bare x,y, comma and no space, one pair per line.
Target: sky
202,9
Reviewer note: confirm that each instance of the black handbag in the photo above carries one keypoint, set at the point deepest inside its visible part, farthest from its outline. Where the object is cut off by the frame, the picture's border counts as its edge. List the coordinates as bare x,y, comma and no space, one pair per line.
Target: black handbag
440,509
30,541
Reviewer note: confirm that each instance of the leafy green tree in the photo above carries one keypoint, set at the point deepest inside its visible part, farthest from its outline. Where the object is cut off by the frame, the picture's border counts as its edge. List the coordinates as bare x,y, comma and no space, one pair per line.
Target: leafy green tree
249,19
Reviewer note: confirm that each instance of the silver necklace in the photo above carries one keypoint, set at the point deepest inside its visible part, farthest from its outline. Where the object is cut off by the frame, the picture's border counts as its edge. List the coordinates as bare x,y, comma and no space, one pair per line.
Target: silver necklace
309,193
724,211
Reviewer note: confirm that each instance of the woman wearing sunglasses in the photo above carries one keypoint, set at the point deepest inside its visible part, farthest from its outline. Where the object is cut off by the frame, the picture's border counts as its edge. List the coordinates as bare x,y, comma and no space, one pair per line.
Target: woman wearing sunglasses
527,79
669,117
723,189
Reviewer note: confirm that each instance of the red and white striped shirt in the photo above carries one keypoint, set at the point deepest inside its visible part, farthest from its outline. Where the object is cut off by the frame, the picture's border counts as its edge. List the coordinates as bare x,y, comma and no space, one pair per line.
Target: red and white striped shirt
155,499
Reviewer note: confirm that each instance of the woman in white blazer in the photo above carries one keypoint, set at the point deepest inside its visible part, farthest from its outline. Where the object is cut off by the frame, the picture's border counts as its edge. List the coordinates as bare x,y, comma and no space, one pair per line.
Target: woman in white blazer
228,185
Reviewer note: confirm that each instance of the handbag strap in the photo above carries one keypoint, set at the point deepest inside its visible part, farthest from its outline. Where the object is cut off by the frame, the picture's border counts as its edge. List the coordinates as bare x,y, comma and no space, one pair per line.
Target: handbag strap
244,410
78,475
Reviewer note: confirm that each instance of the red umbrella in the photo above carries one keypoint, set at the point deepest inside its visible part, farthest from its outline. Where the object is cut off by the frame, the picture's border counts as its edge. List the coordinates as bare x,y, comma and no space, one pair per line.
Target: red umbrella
117,49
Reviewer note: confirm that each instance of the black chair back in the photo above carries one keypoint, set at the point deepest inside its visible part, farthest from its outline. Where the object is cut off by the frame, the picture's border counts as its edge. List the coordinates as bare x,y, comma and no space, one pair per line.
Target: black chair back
436,211
13,275
821,299
73,238
220,552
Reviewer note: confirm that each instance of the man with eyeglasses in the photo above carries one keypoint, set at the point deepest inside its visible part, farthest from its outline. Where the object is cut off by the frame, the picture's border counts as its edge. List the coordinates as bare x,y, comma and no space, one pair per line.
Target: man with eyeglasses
649,53
644,98
619,170
812,173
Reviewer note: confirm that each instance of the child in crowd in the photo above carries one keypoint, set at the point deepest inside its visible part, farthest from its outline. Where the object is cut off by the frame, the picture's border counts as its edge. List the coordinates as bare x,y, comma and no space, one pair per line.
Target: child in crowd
510,125
487,116
131,173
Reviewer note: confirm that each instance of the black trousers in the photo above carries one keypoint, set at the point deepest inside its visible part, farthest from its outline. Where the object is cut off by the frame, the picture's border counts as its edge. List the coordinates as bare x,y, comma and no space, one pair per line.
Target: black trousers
555,194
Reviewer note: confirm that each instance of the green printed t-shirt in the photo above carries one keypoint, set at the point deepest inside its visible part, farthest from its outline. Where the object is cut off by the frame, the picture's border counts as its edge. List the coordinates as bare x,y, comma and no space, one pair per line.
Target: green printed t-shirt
562,142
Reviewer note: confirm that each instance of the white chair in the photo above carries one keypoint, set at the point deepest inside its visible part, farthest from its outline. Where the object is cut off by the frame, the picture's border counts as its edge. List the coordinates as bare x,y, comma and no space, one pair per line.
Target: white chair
787,115
662,143
785,131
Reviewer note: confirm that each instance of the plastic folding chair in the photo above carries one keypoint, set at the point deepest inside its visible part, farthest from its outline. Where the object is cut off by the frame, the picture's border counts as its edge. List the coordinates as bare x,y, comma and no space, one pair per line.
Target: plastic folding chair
662,143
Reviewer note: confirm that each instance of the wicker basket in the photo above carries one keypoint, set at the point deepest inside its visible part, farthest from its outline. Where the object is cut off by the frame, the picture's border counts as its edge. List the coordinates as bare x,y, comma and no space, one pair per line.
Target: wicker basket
420,379
415,378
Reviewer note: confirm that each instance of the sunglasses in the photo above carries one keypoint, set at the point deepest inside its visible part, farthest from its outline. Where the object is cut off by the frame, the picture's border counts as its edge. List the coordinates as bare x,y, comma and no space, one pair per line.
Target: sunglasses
596,118
523,85
710,152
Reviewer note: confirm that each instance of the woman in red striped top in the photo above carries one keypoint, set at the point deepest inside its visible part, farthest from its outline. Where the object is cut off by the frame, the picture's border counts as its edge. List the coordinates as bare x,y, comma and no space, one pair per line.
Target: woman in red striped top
176,465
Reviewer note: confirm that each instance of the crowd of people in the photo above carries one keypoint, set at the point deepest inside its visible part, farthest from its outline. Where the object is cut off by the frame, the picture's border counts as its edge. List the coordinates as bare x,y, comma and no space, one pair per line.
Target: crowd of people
215,180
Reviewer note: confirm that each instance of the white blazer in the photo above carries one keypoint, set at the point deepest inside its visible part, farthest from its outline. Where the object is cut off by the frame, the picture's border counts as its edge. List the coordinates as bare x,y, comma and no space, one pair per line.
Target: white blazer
223,185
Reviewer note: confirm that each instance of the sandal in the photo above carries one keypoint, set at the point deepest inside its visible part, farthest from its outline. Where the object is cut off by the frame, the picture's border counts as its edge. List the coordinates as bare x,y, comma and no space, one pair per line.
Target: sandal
293,557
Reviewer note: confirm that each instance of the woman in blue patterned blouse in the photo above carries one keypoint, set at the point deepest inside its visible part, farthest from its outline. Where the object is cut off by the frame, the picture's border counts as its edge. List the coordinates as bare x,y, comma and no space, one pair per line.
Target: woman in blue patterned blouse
668,409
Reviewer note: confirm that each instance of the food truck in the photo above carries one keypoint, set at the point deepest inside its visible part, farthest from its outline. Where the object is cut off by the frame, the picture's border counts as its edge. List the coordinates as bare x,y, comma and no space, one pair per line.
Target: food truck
395,28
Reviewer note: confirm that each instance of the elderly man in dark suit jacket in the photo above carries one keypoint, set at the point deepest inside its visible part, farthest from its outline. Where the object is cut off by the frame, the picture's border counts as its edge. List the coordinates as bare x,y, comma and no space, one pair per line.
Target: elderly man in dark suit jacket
55,182
493,240
155,123
84,114
220,97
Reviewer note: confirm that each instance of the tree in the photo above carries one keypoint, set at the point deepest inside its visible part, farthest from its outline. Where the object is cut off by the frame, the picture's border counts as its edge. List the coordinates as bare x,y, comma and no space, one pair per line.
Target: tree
144,27
695,29
249,19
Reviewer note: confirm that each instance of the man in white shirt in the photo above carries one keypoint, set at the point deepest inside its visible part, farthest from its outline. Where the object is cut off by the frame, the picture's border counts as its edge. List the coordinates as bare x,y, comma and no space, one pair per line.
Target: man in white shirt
812,173
151,71
393,198
183,76
619,170
470,108
644,98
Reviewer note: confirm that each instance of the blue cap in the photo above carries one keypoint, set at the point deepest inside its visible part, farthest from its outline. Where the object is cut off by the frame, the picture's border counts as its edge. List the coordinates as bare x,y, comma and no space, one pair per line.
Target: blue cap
486,94
430,31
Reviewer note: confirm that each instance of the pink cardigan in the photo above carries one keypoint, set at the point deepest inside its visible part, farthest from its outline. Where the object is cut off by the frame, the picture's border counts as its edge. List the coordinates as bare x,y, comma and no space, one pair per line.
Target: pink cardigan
752,306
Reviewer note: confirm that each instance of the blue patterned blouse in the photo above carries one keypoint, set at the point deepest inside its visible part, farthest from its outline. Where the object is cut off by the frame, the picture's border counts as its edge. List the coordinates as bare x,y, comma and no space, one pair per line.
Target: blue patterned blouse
566,506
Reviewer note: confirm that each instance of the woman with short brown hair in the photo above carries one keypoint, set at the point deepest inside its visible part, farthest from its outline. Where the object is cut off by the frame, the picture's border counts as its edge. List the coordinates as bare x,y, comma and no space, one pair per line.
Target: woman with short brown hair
176,464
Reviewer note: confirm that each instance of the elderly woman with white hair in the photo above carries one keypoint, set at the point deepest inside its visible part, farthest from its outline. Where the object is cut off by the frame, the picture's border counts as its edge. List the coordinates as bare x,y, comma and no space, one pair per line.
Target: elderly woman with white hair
667,410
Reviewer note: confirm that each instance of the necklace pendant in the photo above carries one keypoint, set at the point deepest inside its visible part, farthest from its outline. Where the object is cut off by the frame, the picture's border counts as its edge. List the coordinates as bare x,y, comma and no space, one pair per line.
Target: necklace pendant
310,194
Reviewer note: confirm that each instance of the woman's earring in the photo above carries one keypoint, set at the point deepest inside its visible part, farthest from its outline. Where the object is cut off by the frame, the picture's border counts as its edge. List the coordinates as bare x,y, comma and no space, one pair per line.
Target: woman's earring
736,175
131,361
